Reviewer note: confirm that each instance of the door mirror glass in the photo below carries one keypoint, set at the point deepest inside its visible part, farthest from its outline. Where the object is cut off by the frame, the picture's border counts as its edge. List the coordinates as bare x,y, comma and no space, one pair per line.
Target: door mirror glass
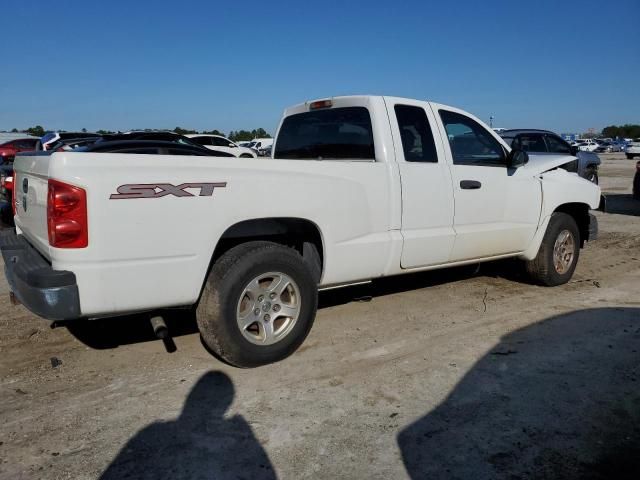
517,158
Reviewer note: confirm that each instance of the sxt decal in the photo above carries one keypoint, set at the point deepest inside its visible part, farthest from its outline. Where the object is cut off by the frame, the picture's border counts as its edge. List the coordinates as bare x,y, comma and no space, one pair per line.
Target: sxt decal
157,190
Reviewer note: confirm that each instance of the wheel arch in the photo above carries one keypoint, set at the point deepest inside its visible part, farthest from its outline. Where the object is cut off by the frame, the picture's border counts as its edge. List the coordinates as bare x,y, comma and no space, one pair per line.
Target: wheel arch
302,234
580,213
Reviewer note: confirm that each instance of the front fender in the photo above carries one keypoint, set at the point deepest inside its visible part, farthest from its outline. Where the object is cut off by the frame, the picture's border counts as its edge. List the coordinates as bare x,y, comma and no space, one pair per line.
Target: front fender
559,188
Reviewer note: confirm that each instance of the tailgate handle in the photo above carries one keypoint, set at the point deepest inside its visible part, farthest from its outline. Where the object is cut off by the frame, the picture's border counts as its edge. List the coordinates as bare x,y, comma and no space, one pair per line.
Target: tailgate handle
470,184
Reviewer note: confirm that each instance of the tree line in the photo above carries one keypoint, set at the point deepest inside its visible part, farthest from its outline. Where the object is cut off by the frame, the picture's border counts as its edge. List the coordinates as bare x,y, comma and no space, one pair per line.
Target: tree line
622,131
234,135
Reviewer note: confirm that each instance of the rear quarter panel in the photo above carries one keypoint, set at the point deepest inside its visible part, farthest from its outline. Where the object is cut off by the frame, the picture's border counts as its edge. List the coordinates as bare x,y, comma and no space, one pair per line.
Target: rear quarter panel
155,252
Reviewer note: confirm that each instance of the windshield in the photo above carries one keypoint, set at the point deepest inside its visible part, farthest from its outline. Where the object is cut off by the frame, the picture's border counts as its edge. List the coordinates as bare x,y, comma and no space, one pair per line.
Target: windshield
338,133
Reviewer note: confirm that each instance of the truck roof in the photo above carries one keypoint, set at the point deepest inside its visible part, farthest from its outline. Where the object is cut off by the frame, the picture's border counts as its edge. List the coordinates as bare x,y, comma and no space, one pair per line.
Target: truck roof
355,100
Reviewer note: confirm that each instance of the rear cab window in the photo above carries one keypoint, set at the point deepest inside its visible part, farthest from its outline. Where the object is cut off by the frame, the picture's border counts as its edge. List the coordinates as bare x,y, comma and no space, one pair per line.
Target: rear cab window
330,134
418,143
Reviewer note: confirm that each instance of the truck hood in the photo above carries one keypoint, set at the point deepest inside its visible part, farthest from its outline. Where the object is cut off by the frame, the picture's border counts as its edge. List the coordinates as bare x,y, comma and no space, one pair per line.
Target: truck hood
538,164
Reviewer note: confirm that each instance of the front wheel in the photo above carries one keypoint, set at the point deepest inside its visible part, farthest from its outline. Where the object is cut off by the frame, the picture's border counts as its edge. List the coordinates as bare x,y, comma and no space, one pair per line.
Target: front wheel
558,254
592,176
258,304
629,156
246,155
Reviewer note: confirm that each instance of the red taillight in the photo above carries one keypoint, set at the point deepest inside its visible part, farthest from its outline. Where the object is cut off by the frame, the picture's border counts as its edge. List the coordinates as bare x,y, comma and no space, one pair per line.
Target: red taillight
7,184
67,216
13,194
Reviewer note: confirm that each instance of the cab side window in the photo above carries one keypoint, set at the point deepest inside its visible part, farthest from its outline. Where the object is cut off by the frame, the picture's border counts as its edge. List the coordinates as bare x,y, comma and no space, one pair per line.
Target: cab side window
530,142
417,138
557,145
471,143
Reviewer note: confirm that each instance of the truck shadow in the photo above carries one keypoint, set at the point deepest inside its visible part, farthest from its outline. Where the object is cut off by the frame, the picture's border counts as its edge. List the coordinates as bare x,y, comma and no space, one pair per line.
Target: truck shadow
622,204
557,399
397,284
201,443
109,333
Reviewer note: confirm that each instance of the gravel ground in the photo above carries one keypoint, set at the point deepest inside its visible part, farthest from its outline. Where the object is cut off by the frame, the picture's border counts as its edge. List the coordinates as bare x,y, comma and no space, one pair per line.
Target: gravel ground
448,374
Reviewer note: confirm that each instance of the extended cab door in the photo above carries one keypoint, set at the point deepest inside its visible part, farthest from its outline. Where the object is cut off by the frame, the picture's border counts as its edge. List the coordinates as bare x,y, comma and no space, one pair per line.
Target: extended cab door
427,197
496,209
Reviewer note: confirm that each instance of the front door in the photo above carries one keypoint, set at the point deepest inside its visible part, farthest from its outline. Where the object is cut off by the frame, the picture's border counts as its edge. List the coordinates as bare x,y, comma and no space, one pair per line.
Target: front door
496,209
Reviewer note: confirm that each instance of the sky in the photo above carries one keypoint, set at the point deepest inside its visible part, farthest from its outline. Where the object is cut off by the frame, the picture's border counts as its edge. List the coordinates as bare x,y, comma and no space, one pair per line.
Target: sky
562,65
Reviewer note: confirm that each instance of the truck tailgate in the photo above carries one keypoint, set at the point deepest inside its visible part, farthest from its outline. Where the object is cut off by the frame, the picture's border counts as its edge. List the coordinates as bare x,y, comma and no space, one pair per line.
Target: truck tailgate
31,175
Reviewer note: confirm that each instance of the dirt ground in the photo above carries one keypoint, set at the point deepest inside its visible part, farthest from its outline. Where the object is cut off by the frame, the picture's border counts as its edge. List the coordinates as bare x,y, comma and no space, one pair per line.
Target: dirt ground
450,374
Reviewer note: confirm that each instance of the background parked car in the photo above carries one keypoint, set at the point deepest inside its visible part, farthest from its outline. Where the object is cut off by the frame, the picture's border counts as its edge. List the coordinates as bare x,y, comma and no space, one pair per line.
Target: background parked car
546,142
605,146
633,149
150,147
268,150
162,136
51,138
260,145
586,145
220,143
9,149
621,144
6,192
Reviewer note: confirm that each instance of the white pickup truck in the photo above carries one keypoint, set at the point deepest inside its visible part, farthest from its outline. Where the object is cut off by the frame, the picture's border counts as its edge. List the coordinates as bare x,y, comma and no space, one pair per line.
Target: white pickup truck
360,187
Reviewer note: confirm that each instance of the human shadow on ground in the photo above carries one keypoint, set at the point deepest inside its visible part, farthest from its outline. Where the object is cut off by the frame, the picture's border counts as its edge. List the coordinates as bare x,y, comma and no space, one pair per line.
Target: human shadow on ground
556,400
200,444
622,204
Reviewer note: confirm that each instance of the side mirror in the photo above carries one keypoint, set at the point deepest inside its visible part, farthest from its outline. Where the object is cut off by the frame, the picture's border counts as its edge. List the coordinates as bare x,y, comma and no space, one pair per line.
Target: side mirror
517,158
574,150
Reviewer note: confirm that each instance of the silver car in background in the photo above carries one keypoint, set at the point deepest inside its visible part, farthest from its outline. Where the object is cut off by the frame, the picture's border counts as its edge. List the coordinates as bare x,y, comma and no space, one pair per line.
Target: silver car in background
544,141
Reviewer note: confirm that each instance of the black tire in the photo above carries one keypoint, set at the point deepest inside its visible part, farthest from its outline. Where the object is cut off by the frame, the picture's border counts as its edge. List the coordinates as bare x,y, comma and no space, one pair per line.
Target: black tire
246,155
217,311
542,269
592,176
629,156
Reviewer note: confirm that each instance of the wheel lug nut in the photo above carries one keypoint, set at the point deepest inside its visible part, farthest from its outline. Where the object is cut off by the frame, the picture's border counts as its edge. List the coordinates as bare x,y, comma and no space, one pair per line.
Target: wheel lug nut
267,318
272,295
256,311
276,308
261,298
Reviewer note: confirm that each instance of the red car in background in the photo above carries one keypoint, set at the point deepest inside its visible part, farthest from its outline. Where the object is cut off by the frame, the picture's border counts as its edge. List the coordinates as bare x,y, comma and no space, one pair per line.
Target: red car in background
9,149
6,194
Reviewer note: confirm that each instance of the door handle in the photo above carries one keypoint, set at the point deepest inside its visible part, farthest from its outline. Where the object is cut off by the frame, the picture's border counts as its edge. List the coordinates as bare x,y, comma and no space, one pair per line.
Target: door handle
470,184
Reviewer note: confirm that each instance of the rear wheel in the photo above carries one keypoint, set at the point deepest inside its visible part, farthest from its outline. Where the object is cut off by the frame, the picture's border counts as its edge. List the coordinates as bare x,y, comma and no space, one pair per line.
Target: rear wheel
559,252
246,155
258,304
629,156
